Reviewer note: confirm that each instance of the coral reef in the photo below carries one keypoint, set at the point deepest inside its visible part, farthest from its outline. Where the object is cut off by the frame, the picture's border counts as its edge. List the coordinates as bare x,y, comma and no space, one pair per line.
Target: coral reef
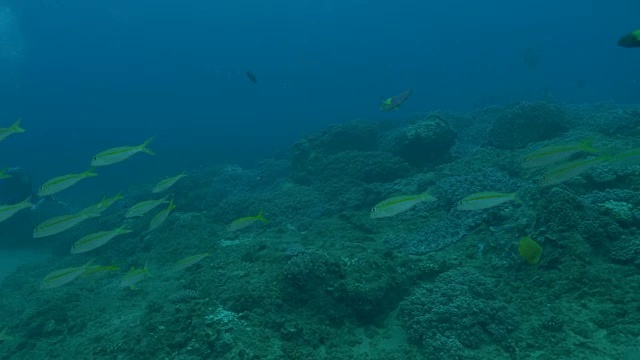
525,123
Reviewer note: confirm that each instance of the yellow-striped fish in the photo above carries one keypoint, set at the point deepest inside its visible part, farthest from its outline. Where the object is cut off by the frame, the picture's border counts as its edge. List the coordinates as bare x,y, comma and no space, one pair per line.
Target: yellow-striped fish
566,171
553,154
144,207
95,240
3,174
167,183
7,211
99,269
134,276
13,129
246,221
484,200
188,261
60,183
106,202
59,224
161,216
64,276
395,205
122,153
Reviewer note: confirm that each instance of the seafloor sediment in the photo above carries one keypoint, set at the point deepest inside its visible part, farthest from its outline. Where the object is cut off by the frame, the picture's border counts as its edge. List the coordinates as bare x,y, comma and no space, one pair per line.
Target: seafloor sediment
323,280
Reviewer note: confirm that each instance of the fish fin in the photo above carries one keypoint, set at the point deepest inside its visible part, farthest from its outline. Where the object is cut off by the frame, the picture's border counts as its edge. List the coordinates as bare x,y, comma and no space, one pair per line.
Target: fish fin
17,126
586,145
426,196
144,145
516,197
261,218
90,172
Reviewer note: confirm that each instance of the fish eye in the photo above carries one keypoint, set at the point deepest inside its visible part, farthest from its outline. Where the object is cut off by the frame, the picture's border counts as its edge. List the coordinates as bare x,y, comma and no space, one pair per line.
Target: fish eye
373,209
95,158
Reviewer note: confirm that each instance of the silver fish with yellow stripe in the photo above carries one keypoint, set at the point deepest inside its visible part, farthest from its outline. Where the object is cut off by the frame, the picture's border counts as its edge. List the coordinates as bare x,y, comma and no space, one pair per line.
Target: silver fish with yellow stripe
7,211
121,153
485,200
566,171
63,182
190,260
64,276
553,154
61,223
242,223
95,240
398,204
161,216
134,276
167,183
144,207
106,202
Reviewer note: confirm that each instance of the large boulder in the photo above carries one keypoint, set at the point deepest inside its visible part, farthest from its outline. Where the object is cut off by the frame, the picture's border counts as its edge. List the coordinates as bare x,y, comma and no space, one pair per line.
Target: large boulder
427,141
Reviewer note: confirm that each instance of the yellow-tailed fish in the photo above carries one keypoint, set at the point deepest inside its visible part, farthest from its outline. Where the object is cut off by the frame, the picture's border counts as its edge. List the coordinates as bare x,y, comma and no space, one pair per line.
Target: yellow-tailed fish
60,183
134,276
484,200
167,183
188,261
3,174
99,269
395,205
246,221
161,216
7,211
144,207
553,154
64,276
95,240
59,224
566,171
13,129
118,154
106,202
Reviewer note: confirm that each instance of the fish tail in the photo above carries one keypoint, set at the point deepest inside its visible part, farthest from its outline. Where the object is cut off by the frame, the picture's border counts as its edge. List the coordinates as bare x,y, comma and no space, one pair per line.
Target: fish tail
516,197
586,145
261,217
16,127
90,172
144,145
28,200
426,196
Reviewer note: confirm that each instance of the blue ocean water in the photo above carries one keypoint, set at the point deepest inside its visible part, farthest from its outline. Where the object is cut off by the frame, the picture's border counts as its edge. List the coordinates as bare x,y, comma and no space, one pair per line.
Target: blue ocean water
92,72
86,76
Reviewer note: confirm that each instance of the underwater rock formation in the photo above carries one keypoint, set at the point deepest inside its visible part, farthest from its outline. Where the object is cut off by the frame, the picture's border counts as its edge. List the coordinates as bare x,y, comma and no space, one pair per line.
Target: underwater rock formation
525,123
424,142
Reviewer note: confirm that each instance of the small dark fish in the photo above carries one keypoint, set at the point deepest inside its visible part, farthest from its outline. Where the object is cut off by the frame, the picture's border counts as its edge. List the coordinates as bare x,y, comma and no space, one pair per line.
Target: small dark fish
252,77
630,40
394,102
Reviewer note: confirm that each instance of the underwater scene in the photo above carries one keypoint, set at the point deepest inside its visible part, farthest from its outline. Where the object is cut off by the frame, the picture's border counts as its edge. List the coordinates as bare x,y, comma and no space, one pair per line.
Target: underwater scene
317,179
